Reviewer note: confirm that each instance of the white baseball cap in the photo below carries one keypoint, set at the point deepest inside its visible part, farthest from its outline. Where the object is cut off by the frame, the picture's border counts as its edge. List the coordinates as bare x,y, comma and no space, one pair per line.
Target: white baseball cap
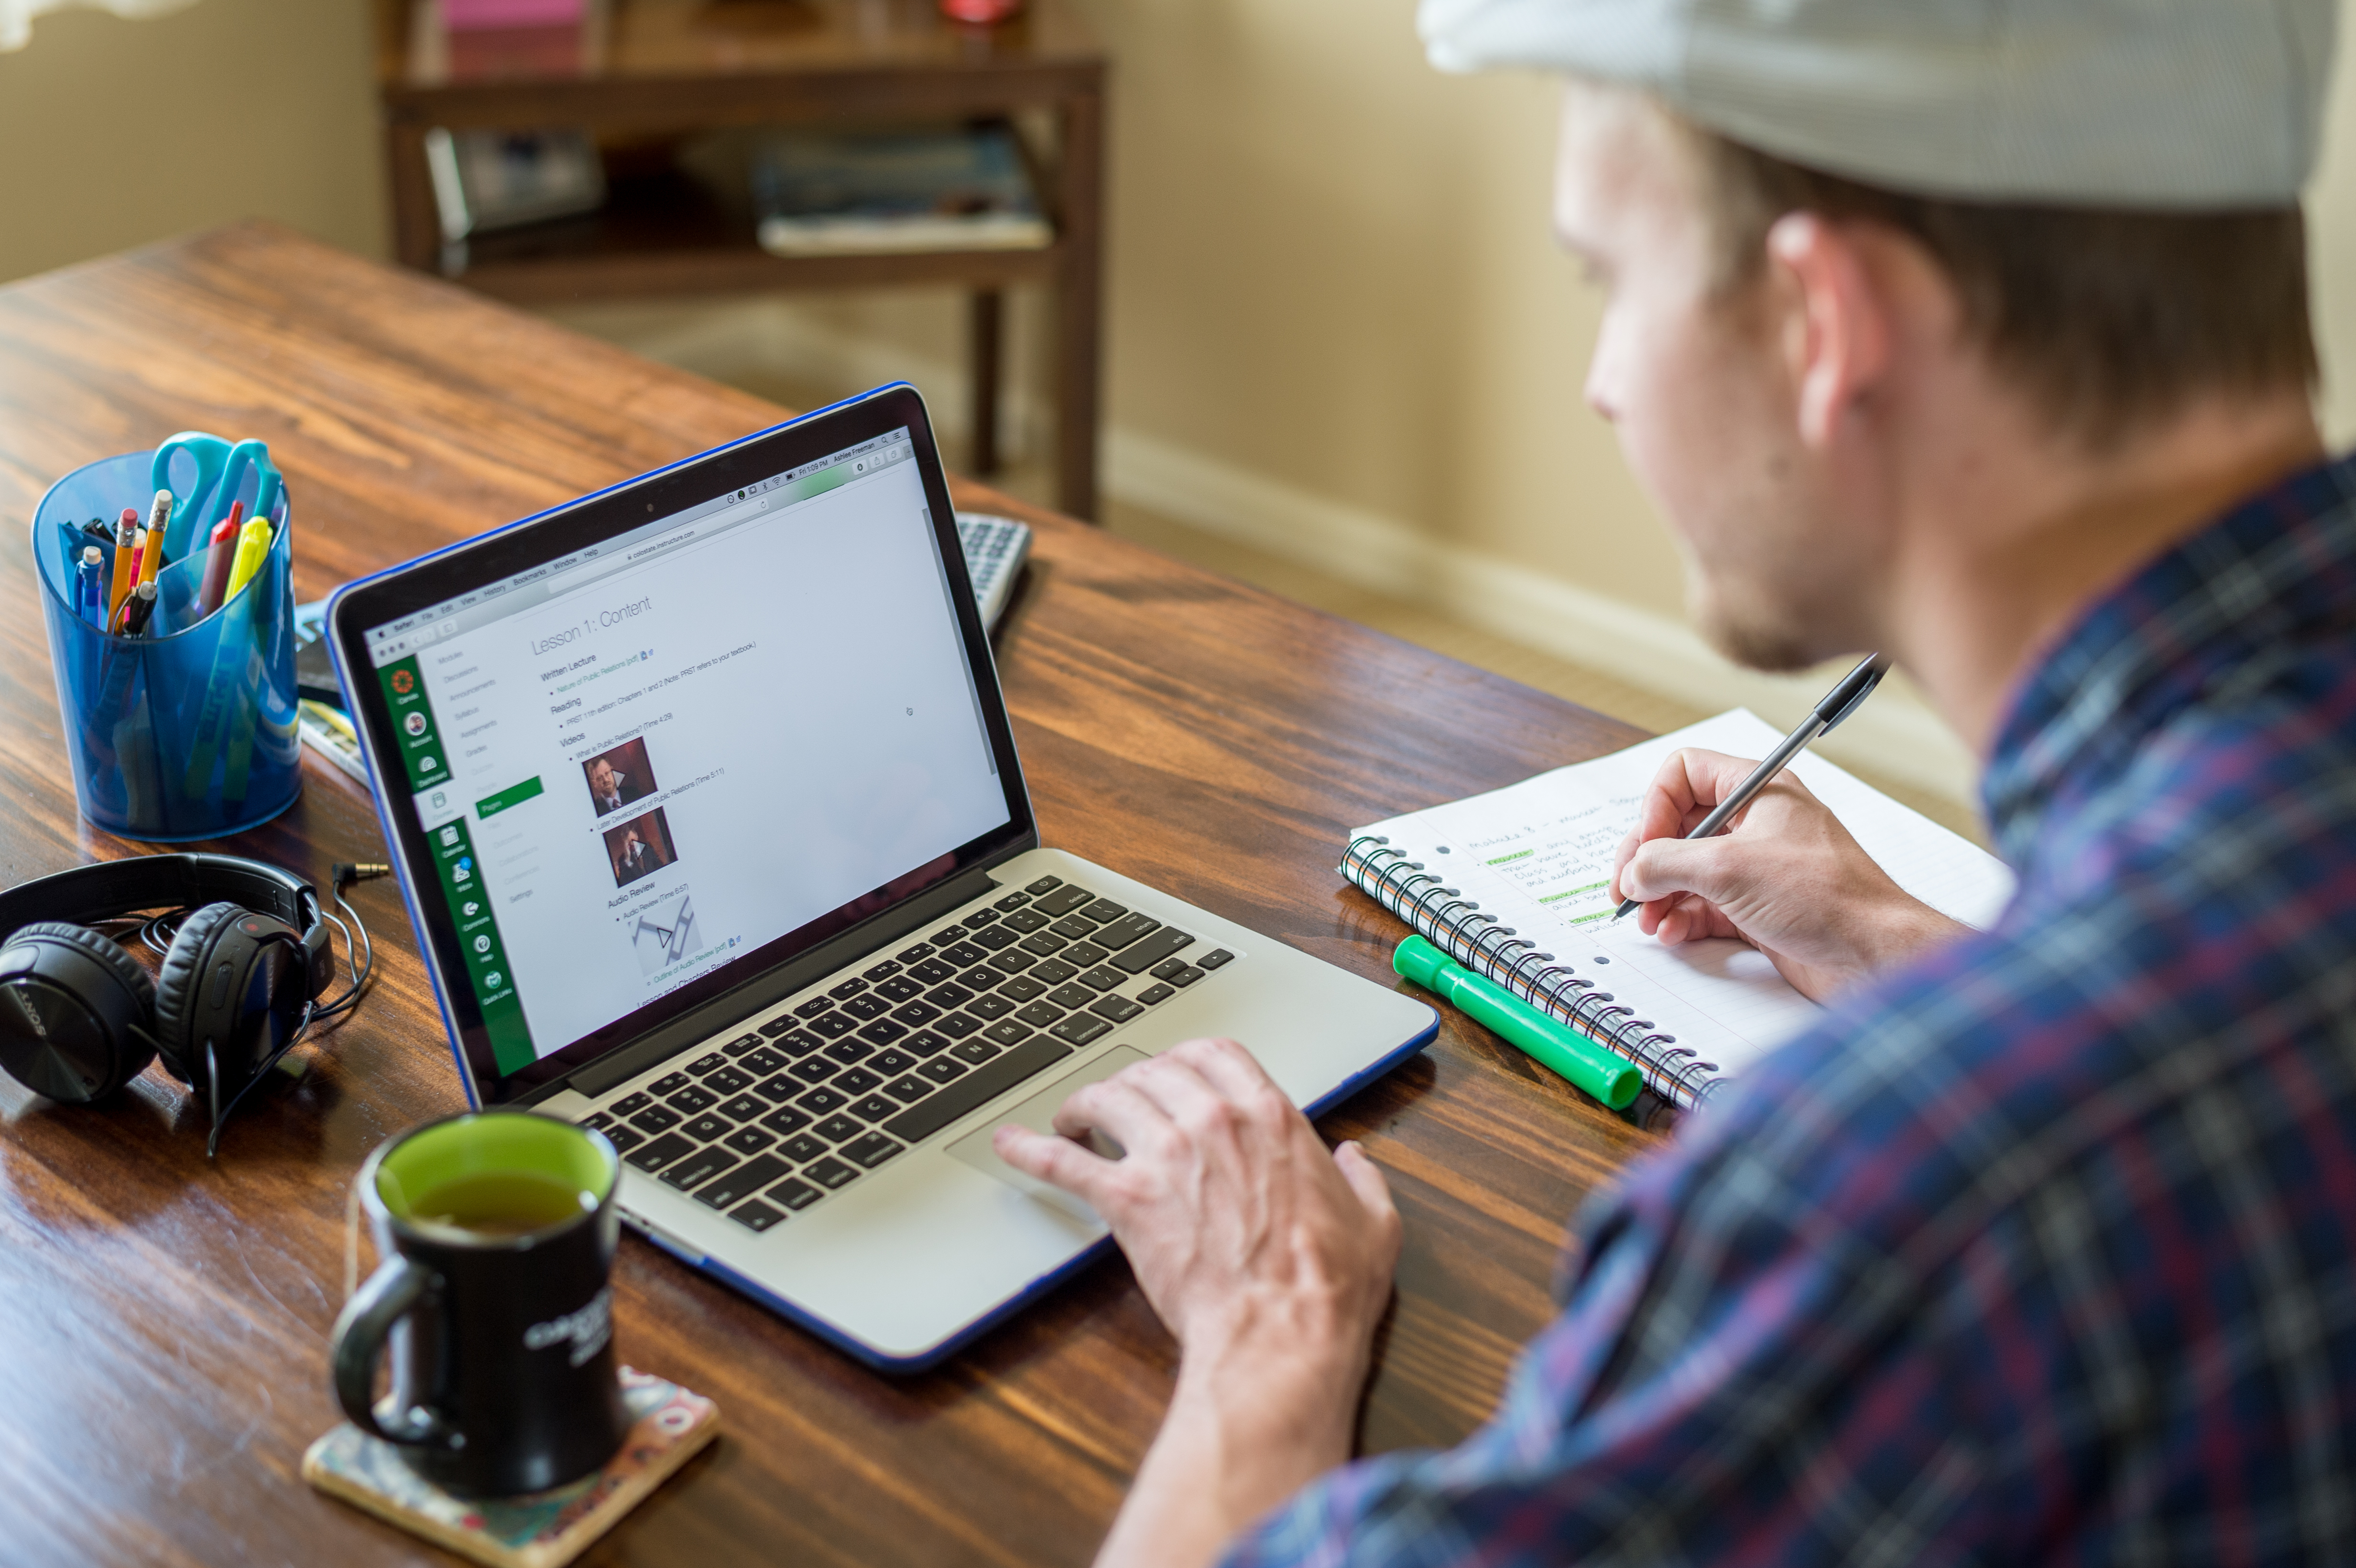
2176,104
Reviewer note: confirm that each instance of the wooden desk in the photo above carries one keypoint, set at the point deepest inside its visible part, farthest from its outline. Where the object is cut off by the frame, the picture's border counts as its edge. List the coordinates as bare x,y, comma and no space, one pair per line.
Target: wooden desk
666,69
163,1322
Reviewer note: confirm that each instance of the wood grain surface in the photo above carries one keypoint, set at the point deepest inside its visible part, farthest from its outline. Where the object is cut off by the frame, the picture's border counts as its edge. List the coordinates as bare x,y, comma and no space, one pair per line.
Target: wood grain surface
164,1321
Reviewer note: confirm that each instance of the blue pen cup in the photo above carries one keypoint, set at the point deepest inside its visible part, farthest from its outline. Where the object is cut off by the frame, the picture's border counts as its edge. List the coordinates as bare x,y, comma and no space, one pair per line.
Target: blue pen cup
188,732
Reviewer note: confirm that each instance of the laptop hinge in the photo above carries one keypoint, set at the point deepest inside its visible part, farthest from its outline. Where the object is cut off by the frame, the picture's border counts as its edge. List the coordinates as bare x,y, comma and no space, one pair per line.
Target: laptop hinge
754,996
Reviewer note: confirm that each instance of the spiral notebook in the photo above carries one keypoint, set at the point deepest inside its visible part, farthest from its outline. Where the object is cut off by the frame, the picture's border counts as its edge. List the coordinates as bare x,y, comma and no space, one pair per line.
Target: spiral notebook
1512,885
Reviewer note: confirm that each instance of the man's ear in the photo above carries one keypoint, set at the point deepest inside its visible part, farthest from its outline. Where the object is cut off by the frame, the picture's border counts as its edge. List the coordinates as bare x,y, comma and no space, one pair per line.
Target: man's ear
1835,337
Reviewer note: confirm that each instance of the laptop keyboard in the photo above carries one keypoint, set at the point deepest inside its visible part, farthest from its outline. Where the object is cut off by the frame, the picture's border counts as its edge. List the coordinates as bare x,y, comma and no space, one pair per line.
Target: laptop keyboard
841,1080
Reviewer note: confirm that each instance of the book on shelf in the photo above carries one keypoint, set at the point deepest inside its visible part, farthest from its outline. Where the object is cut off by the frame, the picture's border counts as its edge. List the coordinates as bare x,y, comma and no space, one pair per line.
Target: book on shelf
834,193
1514,885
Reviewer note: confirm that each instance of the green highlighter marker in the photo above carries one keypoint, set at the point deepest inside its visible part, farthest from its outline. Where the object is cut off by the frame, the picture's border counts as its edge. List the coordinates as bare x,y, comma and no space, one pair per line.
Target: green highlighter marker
1588,1066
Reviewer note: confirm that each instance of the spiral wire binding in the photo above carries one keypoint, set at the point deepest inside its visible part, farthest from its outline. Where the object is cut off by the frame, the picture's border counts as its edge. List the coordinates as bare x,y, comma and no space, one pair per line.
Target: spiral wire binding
1458,925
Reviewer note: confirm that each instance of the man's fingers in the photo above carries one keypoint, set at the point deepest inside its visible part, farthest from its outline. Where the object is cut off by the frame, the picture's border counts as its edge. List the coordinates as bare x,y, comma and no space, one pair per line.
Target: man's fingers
1365,1179
1666,867
1115,1107
1228,1067
1059,1162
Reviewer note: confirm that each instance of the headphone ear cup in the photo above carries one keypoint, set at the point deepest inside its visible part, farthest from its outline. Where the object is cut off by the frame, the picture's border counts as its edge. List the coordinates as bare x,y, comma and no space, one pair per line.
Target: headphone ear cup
178,984
80,1011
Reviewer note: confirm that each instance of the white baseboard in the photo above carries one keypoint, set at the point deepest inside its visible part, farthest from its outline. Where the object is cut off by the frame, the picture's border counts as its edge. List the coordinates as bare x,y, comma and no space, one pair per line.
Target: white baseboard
1893,735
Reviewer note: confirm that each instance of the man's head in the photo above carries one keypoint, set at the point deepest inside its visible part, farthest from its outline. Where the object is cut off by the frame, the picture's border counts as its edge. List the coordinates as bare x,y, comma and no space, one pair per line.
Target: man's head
601,776
2021,248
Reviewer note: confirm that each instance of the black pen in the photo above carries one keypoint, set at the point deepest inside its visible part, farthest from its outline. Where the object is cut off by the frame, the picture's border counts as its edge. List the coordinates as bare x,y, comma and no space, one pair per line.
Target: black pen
1839,704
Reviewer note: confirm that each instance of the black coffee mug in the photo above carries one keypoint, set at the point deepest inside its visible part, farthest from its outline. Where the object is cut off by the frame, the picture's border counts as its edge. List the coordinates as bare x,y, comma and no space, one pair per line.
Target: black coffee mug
497,1232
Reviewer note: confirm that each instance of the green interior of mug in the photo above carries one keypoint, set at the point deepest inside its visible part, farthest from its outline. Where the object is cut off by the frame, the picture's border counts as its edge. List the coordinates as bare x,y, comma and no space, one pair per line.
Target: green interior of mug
505,1141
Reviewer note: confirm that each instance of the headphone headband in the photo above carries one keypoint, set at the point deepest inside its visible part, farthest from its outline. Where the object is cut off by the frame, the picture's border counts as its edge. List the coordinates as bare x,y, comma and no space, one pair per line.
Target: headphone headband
110,890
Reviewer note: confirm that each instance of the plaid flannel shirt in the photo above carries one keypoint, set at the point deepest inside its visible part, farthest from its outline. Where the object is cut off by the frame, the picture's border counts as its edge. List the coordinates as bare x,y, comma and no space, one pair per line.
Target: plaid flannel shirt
2042,1250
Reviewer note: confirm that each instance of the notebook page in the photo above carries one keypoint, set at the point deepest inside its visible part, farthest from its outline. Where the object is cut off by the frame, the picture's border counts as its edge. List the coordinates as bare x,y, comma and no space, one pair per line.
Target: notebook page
1538,855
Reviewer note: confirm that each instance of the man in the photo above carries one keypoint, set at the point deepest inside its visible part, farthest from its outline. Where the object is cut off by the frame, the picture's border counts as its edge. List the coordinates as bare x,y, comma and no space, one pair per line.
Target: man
1973,332
636,857
612,788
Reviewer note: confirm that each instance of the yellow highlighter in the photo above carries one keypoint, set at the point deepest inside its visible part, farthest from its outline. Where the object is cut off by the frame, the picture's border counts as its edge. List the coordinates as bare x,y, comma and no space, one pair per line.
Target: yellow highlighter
253,547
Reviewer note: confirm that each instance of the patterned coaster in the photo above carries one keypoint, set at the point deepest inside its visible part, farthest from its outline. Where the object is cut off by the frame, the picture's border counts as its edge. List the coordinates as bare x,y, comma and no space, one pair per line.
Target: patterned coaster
539,1529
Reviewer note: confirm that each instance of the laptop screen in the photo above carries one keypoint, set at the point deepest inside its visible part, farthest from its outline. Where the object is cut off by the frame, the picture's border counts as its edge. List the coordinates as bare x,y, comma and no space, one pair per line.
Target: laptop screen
639,762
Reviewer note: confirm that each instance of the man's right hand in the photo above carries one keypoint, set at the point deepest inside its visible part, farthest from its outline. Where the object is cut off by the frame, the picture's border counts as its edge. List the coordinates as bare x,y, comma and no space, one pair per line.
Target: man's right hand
1785,877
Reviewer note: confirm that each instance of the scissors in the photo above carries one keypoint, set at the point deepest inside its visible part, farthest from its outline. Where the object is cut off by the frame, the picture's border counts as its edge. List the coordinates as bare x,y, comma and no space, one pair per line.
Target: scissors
220,472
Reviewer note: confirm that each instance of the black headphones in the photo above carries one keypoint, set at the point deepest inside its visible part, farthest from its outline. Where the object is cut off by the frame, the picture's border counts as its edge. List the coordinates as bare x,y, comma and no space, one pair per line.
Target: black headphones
241,978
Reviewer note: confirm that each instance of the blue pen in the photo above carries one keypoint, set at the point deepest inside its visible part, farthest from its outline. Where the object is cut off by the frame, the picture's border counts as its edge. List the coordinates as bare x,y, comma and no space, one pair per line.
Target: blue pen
90,587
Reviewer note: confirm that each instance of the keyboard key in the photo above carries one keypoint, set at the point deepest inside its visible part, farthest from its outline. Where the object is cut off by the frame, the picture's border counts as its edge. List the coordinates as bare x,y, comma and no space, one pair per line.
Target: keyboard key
703,1064
989,1007
707,1129
948,934
801,1042
831,1173
908,1089
761,1063
916,954
814,1006
755,1216
1186,976
899,987
940,1069
669,1083
948,997
1022,989
660,1153
597,1119
1085,954
1044,944
1014,959
1102,980
1039,1015
656,1119
868,1006
1063,901
623,1139
915,1013
1120,1010
1104,909
1081,1028
1026,921
981,977
1044,885
837,1128
1145,954
932,971
818,1102
834,1026
1011,902
743,1180
629,1103
1007,1031
729,1081
803,1147
742,1044
850,988
743,1108
849,1050
872,1150
785,1120
957,1026
964,955
876,1108
1167,967
881,973
979,921
1153,996
1215,958
697,1168
777,1026
858,1081
1074,928
1129,928
1054,972
795,1194
690,1101
925,1042
891,1062
883,1032
976,1052
976,1088
816,1069
748,1140
995,937
1071,998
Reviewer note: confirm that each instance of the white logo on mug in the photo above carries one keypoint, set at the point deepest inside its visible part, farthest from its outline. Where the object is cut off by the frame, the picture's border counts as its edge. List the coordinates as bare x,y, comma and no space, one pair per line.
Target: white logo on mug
588,1327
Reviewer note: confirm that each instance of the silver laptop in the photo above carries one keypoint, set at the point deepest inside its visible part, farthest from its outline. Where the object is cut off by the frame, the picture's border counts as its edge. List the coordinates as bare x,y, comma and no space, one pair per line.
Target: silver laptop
708,813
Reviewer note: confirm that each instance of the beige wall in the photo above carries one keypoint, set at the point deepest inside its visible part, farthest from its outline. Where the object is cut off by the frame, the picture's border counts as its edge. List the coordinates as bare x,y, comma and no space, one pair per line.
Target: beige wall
117,132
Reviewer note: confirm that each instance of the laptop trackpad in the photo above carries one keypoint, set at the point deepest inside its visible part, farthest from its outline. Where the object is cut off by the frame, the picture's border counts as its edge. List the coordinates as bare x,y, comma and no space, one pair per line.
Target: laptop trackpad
1038,1114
